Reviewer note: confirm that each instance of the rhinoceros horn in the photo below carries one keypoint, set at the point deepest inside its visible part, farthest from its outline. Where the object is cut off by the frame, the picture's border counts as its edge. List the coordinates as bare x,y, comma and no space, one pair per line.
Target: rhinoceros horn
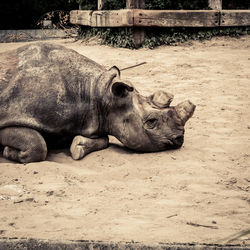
185,110
161,99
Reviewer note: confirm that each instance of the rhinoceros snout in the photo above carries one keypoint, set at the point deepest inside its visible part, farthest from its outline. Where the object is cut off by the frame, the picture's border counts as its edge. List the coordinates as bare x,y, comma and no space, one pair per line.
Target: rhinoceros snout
175,142
178,140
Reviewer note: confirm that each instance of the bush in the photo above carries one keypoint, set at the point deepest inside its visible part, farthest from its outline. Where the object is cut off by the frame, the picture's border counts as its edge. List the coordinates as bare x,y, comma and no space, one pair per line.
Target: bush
122,37
174,36
116,37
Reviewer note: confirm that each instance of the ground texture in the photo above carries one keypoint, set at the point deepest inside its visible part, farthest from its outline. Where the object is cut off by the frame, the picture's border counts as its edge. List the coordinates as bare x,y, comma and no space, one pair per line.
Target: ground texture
199,193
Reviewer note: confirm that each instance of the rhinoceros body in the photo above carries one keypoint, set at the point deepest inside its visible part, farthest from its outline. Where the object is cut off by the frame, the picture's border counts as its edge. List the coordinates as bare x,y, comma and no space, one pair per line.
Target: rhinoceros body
51,96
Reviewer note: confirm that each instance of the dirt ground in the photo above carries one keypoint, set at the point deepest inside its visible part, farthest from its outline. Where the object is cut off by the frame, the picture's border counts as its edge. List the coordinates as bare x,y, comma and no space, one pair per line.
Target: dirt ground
199,193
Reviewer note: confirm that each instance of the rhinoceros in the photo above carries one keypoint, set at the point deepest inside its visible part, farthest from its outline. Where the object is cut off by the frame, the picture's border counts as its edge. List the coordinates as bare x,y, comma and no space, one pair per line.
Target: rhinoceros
51,96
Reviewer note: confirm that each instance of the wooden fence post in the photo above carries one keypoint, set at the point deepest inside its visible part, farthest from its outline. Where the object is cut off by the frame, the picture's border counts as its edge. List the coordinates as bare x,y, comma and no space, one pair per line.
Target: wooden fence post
100,4
215,4
138,33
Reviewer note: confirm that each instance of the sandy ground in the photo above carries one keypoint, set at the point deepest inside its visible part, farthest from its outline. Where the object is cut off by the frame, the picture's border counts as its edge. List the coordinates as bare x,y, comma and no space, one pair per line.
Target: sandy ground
118,195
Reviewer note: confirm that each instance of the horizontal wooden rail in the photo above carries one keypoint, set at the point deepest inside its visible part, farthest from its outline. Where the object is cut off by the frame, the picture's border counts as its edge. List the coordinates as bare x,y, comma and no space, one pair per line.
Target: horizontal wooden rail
102,18
235,18
176,18
160,18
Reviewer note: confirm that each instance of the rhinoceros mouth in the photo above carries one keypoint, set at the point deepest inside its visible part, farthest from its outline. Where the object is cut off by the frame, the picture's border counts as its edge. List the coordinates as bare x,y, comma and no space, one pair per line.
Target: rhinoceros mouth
168,143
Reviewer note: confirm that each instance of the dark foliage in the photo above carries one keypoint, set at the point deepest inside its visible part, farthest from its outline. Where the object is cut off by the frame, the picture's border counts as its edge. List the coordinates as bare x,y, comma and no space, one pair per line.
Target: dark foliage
175,36
24,14
122,37
176,5
115,4
236,4
167,4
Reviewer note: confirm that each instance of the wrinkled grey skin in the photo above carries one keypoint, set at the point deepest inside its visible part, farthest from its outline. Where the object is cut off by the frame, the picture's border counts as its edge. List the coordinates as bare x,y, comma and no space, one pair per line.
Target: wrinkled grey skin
51,96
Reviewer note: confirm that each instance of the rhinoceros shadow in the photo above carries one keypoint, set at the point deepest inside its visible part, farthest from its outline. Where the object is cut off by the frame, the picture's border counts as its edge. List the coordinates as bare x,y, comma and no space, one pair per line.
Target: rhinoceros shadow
115,147
119,148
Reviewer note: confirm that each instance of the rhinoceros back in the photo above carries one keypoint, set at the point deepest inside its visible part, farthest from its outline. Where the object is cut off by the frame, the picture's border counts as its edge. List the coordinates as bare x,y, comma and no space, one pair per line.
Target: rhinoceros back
46,87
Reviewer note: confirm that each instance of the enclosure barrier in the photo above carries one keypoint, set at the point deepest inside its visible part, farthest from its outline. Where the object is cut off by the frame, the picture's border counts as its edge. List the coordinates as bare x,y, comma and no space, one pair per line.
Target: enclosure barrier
34,34
135,16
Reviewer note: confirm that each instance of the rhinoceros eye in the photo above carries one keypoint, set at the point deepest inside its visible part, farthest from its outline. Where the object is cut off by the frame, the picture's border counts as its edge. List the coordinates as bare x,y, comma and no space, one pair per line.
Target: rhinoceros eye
151,123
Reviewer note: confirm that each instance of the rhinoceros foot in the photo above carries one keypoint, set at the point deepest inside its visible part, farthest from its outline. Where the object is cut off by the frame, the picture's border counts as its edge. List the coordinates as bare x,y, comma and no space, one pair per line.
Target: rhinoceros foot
82,146
23,144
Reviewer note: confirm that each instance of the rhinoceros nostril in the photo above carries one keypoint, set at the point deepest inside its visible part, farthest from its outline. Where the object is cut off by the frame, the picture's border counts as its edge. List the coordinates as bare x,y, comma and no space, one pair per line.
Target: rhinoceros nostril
179,139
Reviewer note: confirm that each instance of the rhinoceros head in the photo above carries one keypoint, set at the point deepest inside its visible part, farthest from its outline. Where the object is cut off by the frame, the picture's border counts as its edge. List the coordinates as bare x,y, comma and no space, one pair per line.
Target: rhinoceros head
146,124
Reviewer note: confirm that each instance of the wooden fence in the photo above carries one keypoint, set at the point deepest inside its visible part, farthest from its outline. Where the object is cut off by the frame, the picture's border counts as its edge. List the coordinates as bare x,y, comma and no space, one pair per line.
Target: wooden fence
136,16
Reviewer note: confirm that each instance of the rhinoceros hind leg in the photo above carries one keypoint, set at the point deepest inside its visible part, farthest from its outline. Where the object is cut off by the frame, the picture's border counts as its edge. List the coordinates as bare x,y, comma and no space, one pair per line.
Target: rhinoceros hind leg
82,146
23,144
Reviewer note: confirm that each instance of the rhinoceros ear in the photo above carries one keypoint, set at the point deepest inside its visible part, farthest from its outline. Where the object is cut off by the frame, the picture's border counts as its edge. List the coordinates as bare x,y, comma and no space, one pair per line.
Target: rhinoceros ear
115,70
121,89
161,99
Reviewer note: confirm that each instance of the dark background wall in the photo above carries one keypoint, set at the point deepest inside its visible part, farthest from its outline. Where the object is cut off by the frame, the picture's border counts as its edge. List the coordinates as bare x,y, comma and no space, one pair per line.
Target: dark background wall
168,4
24,14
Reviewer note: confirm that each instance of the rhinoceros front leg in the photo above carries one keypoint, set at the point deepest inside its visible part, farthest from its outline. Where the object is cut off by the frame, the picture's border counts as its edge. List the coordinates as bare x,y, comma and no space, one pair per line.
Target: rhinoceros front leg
82,146
23,144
